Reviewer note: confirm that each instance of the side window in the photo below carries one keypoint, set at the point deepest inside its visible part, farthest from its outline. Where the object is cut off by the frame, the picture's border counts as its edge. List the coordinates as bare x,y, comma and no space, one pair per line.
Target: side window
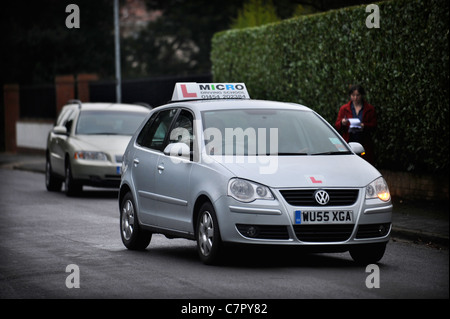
154,132
69,121
142,139
62,118
183,129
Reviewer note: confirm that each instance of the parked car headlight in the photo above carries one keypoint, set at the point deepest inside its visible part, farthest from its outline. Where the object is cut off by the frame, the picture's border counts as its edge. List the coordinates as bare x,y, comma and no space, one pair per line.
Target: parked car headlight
246,191
378,189
93,156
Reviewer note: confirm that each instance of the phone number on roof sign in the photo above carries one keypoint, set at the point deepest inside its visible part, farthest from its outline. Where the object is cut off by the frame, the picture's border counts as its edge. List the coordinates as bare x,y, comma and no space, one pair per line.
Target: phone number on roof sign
223,96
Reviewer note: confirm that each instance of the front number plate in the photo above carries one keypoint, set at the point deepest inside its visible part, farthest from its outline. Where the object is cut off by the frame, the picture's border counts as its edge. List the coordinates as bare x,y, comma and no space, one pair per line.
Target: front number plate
323,217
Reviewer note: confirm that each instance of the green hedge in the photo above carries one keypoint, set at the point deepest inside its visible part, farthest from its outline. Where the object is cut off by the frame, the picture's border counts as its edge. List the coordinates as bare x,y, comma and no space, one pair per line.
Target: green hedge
403,65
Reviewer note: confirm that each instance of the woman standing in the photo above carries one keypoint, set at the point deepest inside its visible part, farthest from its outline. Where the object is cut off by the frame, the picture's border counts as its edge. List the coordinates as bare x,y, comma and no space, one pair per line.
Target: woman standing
357,120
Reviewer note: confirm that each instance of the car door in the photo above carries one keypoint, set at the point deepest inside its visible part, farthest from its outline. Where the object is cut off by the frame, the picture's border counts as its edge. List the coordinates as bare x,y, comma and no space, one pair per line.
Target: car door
173,178
149,146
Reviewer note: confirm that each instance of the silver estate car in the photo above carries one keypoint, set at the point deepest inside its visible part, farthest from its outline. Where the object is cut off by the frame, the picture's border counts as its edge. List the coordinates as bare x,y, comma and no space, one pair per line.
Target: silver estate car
86,145
248,171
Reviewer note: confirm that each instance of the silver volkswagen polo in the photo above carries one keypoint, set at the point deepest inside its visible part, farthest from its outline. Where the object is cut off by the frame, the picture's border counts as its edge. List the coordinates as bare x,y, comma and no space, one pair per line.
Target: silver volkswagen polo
233,170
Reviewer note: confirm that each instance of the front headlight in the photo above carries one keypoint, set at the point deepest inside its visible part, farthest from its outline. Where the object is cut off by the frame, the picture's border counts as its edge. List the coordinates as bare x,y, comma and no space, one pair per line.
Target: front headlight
93,156
378,189
246,191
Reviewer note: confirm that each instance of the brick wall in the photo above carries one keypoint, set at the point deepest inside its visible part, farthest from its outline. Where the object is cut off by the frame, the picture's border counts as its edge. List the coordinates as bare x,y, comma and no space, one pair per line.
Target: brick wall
65,90
83,81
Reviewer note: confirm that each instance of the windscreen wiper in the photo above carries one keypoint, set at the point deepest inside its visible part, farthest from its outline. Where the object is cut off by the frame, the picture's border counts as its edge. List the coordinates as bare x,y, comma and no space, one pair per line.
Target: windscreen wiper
333,153
290,154
104,133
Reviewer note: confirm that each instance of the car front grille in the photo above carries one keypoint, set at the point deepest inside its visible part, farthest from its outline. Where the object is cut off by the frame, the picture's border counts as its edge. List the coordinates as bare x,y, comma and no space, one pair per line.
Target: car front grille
113,177
313,233
305,197
323,233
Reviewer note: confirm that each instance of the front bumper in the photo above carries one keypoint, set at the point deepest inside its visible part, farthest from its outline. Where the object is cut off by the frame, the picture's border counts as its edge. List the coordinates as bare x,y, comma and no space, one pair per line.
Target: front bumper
97,173
272,222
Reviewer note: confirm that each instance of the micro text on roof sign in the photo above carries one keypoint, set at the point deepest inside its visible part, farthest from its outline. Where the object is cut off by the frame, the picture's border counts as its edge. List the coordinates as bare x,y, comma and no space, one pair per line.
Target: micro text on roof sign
221,87
230,91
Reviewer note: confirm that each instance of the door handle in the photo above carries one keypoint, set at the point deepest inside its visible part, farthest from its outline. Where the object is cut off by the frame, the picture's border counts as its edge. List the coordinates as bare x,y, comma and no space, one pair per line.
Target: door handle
160,167
136,162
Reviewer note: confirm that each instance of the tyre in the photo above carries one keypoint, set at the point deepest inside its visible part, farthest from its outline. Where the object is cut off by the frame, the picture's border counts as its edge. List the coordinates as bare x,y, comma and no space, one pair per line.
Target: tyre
133,236
368,253
209,243
71,186
52,182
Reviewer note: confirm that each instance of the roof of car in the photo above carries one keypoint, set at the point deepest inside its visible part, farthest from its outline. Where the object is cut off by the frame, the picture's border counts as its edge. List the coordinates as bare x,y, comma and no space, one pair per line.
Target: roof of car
225,104
109,106
222,96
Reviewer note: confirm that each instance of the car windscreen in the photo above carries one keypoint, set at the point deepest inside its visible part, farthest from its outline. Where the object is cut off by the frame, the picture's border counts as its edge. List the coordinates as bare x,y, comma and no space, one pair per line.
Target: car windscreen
269,132
108,122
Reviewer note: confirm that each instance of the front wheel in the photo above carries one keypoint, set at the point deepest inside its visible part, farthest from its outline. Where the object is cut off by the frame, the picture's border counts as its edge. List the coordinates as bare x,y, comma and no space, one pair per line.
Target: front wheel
52,182
209,242
368,253
133,236
71,186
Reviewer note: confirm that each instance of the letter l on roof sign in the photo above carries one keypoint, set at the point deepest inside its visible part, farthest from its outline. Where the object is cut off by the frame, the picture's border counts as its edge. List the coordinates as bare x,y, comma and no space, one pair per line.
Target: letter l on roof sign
185,93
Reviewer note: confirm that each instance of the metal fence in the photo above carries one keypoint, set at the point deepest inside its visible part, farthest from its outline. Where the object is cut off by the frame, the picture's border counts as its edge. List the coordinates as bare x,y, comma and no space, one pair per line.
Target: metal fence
37,101
153,91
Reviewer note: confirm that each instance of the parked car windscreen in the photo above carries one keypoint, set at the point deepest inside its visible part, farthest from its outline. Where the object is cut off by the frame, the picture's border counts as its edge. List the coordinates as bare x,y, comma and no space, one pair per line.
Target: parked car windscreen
269,132
108,122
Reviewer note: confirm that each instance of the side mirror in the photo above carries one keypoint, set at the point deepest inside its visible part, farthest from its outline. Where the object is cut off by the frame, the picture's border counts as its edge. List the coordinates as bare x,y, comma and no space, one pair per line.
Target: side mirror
178,150
357,148
60,130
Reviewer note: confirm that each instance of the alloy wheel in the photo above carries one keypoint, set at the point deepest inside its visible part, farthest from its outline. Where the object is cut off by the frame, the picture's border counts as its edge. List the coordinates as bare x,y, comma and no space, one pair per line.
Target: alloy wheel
127,220
206,233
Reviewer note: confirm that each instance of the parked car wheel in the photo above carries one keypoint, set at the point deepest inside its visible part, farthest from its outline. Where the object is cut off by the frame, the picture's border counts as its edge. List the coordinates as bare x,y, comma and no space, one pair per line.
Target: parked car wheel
52,182
208,235
368,254
71,187
133,236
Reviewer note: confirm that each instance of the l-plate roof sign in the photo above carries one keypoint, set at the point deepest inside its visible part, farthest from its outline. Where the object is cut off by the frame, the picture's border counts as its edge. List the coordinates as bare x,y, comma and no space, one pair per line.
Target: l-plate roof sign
205,91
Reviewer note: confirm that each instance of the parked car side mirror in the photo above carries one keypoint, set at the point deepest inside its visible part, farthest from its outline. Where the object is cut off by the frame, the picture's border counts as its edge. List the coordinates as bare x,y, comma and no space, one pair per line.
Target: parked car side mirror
178,150
357,148
60,130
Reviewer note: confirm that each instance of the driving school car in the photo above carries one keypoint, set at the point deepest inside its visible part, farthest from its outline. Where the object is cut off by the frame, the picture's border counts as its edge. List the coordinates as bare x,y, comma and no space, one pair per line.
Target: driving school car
217,167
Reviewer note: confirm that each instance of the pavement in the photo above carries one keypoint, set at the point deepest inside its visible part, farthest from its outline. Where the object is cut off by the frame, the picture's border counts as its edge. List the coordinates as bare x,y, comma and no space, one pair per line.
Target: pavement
424,222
